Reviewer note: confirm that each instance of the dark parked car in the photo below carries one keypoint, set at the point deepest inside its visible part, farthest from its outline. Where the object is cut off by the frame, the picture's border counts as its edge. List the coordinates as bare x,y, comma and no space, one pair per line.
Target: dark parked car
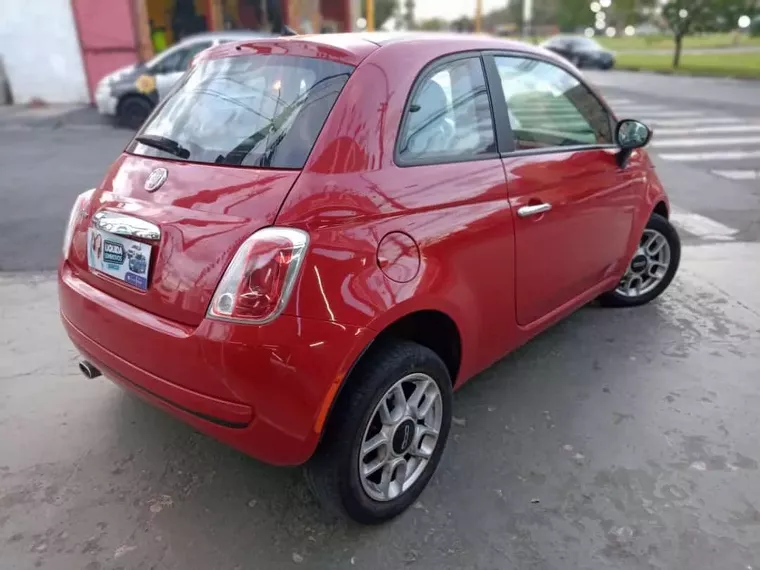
581,51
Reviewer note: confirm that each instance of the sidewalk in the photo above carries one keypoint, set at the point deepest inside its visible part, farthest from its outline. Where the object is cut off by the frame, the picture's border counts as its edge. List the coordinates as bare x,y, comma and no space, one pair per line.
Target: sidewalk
23,117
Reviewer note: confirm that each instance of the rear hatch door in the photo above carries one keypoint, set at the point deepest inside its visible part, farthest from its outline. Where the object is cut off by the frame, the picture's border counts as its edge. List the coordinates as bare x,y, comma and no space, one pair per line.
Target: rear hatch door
211,166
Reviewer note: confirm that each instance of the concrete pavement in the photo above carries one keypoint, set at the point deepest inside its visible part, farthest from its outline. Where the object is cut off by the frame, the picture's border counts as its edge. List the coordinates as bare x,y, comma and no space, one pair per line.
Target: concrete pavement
619,439
42,170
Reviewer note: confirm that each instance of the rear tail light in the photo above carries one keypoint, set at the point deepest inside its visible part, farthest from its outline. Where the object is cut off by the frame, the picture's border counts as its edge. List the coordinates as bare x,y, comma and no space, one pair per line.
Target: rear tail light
258,282
80,204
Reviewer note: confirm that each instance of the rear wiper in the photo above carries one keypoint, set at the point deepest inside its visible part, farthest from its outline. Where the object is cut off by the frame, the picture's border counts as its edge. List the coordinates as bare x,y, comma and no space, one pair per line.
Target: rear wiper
164,144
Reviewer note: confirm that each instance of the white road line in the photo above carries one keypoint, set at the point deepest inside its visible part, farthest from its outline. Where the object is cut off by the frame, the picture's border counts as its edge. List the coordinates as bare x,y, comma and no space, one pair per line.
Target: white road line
638,110
673,114
705,141
719,129
696,121
738,174
704,156
702,226
613,102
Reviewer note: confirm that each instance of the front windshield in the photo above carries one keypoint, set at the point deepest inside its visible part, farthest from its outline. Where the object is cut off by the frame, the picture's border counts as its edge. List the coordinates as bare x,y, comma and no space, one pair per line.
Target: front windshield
257,110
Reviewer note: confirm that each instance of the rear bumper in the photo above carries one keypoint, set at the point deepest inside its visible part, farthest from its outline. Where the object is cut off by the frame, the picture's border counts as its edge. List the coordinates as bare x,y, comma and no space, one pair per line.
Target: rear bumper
262,390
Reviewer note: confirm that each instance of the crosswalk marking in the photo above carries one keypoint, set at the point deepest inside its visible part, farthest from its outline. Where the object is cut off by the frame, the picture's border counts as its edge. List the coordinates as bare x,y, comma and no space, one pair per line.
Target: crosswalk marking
638,109
700,141
725,144
719,129
704,156
614,102
696,121
701,226
674,114
738,174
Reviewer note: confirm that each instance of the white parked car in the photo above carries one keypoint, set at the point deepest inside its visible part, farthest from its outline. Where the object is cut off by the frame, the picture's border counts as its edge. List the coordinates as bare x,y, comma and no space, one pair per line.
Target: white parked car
129,94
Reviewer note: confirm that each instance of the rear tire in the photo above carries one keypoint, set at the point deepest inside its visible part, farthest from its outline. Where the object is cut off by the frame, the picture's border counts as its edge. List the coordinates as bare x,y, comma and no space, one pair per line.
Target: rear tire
369,410
132,111
648,274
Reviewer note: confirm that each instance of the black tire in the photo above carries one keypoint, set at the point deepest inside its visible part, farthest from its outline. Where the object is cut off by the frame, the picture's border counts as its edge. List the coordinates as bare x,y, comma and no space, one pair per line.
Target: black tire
333,472
663,226
132,111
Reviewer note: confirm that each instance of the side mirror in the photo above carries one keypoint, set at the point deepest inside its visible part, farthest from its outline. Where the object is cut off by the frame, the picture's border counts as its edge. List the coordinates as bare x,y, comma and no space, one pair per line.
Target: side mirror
630,135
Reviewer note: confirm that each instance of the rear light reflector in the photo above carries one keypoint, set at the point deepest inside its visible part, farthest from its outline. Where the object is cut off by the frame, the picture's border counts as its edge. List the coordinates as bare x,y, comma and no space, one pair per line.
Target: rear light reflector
77,210
258,282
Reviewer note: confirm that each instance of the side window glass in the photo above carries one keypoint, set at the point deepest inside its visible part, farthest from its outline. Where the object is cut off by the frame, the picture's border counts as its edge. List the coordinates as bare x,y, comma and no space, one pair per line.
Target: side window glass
170,62
548,107
449,116
190,53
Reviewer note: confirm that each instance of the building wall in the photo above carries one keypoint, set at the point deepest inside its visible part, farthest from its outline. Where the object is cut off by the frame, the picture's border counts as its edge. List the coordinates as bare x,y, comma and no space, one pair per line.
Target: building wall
108,36
40,51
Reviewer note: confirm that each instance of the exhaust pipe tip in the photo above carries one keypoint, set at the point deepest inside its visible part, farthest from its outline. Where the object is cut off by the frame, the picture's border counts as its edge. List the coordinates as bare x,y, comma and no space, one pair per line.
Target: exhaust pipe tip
89,370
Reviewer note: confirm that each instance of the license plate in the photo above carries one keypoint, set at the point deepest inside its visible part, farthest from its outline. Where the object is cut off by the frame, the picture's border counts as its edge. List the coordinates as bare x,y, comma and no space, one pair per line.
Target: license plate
119,257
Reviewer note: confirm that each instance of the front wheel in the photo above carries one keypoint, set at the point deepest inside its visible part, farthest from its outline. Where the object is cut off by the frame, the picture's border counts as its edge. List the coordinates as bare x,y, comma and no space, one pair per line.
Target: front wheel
132,111
385,436
652,267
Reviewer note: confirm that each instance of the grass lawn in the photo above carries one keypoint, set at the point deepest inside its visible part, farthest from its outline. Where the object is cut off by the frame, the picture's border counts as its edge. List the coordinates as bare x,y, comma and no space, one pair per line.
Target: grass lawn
622,43
733,65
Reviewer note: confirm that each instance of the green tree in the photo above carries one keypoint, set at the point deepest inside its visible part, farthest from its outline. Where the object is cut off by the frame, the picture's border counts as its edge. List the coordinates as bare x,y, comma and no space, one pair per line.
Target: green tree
685,17
433,25
384,9
631,12
463,24
545,12
728,18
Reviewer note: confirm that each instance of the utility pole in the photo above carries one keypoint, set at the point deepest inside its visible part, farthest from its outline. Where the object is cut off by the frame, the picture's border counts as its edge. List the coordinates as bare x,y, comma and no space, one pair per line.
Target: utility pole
527,27
370,15
478,15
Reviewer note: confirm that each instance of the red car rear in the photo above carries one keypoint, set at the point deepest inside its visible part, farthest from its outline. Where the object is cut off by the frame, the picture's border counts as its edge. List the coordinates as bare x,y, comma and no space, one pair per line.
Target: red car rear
313,241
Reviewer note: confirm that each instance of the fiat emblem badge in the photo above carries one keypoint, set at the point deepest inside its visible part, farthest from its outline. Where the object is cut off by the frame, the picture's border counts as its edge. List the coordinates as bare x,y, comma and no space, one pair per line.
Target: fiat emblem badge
156,179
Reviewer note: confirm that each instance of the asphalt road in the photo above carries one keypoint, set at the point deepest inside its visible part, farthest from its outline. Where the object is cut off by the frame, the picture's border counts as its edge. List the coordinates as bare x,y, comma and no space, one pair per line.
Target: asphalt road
42,170
618,439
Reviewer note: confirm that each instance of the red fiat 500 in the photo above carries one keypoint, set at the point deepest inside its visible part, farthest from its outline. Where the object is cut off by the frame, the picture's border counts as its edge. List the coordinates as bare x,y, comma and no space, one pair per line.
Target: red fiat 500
313,241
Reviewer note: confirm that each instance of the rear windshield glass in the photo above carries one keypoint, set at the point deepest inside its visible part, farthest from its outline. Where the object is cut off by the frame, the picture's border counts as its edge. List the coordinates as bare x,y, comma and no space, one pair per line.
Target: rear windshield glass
261,111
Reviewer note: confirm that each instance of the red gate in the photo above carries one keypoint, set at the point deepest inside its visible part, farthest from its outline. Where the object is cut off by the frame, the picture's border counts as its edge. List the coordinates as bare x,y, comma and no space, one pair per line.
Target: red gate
108,36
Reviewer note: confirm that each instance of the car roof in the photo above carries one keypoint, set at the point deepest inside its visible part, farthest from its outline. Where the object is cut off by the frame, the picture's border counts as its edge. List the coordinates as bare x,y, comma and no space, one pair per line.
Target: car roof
354,47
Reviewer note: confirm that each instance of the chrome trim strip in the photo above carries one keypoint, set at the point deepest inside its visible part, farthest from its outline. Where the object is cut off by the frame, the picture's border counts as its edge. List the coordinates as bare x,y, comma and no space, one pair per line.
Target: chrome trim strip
127,226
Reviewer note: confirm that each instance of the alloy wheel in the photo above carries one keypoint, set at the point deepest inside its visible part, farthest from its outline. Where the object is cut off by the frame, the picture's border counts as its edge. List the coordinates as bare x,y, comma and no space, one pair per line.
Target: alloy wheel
648,266
400,437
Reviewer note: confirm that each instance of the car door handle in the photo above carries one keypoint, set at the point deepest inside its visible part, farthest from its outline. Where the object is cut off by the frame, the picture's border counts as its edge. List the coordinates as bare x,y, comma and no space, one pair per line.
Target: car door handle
533,210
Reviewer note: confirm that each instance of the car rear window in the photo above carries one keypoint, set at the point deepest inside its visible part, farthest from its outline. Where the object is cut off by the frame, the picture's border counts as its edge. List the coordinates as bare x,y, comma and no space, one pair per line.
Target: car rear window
262,111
